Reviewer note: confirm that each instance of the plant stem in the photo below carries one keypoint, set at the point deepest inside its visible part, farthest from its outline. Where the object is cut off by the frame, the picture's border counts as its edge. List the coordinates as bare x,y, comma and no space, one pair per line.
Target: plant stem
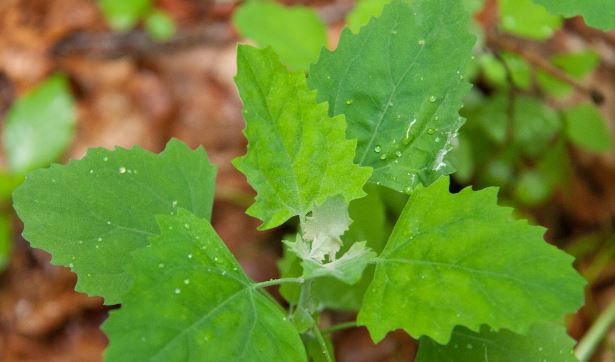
338,327
585,349
321,342
271,282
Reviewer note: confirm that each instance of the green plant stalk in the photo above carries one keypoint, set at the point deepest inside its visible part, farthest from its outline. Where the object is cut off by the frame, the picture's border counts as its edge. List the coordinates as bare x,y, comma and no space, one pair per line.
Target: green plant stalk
271,282
339,327
585,349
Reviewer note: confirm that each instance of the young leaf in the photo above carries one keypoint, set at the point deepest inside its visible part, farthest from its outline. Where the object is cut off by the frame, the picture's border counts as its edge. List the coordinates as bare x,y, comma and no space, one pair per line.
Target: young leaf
544,342
587,129
596,13
460,259
160,25
325,227
400,84
348,268
295,33
192,302
362,13
298,156
40,126
92,213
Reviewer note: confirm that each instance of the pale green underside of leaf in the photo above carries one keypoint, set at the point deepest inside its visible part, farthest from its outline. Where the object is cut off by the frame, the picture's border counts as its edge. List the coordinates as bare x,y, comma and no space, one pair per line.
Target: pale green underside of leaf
596,13
406,65
298,156
93,212
40,126
295,33
192,302
459,259
544,342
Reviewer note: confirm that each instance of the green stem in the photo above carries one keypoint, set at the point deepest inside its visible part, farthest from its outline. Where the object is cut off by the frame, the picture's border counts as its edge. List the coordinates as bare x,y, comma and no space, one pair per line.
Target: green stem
271,282
585,349
321,342
338,327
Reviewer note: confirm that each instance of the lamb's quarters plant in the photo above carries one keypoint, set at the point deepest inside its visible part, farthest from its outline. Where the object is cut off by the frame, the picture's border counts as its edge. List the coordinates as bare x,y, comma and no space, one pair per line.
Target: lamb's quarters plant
458,272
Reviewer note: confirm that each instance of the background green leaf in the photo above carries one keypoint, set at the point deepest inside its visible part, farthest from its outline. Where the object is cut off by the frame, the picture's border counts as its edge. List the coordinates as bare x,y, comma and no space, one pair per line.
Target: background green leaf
586,128
92,213
123,15
295,33
192,302
297,156
40,125
400,83
597,13
459,259
527,19
160,25
544,342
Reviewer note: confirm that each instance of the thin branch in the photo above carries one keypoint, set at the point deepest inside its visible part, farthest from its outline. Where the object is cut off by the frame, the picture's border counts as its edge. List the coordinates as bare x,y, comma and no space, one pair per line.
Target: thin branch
500,42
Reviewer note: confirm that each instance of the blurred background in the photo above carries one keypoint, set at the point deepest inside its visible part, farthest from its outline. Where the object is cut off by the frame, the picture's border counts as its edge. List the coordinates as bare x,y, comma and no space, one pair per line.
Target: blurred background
76,74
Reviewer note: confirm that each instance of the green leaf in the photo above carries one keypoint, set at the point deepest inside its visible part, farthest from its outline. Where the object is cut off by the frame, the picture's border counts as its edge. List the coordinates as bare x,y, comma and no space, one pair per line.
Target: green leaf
577,65
526,19
586,128
544,342
160,25
92,213
363,12
298,156
123,15
40,125
460,259
400,84
348,268
192,302
295,33
597,13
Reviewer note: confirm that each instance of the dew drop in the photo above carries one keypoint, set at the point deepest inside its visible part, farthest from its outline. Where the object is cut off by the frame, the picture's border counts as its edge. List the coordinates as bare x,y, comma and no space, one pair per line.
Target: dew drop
394,32
106,159
189,256
377,149
348,102
70,265
108,222
398,153
421,42
186,281
161,265
100,239
408,189
187,226
91,171
431,131
177,290
432,99
122,169
384,156
174,203
469,346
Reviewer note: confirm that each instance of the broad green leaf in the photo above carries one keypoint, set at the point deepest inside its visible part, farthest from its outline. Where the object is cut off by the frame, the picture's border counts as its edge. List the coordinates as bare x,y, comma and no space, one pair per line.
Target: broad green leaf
586,128
532,189
495,72
369,224
160,25
400,84
462,260
92,213
123,15
192,302
298,156
525,18
40,126
363,12
347,269
6,240
544,342
295,33
597,13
